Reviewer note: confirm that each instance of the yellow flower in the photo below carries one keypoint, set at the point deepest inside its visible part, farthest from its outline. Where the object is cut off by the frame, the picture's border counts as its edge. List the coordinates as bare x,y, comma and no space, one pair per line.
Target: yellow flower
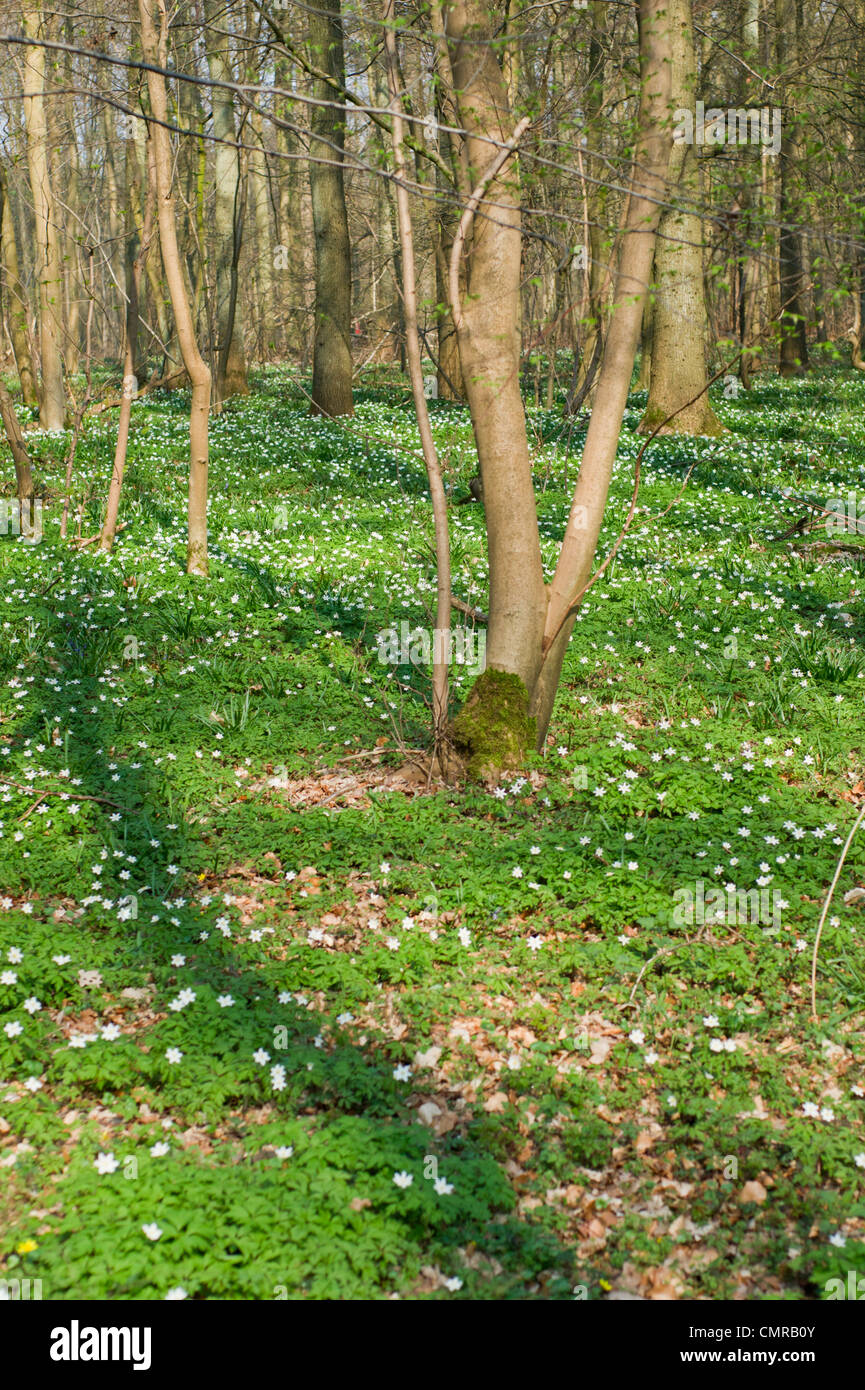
26,1247
605,1286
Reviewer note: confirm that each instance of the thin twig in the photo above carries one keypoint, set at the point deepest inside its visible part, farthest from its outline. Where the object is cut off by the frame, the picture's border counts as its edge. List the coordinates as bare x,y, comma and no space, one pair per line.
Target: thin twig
73,795
477,613
832,886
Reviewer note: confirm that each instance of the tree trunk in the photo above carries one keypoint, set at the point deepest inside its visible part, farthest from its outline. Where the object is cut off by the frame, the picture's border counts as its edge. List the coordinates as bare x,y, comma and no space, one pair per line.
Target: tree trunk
436,486
155,49
46,247
529,625
487,324
16,299
73,305
231,378
596,246
647,191
331,365
155,285
644,380
136,252
269,255
451,386
15,440
793,354
678,382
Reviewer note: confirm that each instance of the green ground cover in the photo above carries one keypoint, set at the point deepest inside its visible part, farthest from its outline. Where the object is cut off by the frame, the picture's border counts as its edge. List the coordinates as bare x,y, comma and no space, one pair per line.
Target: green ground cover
280,1019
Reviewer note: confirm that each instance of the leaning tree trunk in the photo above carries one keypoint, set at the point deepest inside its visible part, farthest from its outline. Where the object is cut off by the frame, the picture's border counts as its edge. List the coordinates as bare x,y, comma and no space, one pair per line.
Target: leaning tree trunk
331,363
511,704
231,378
52,410
678,392
793,355
155,49
15,440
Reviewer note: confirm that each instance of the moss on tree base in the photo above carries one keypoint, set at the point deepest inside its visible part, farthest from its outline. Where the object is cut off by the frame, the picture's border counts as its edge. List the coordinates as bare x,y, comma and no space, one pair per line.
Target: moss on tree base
493,732
699,421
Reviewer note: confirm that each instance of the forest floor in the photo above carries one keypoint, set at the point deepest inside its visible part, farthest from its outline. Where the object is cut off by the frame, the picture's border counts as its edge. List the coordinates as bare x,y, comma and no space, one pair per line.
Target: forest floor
280,1019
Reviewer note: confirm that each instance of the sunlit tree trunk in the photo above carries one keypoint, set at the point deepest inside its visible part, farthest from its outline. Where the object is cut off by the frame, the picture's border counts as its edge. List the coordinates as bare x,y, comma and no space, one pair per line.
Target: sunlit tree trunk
511,704
52,409
487,319
648,190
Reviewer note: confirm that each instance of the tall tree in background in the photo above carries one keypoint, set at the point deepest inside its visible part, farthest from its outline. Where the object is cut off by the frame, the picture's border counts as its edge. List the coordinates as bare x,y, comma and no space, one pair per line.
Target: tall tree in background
445,132
139,230
52,408
793,357
71,343
8,415
15,299
679,326
259,194
597,246
415,366
332,365
230,189
155,48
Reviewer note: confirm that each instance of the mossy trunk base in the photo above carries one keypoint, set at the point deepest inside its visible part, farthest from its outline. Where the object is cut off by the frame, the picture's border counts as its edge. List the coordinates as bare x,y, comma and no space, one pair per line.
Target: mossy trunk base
696,419
493,732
